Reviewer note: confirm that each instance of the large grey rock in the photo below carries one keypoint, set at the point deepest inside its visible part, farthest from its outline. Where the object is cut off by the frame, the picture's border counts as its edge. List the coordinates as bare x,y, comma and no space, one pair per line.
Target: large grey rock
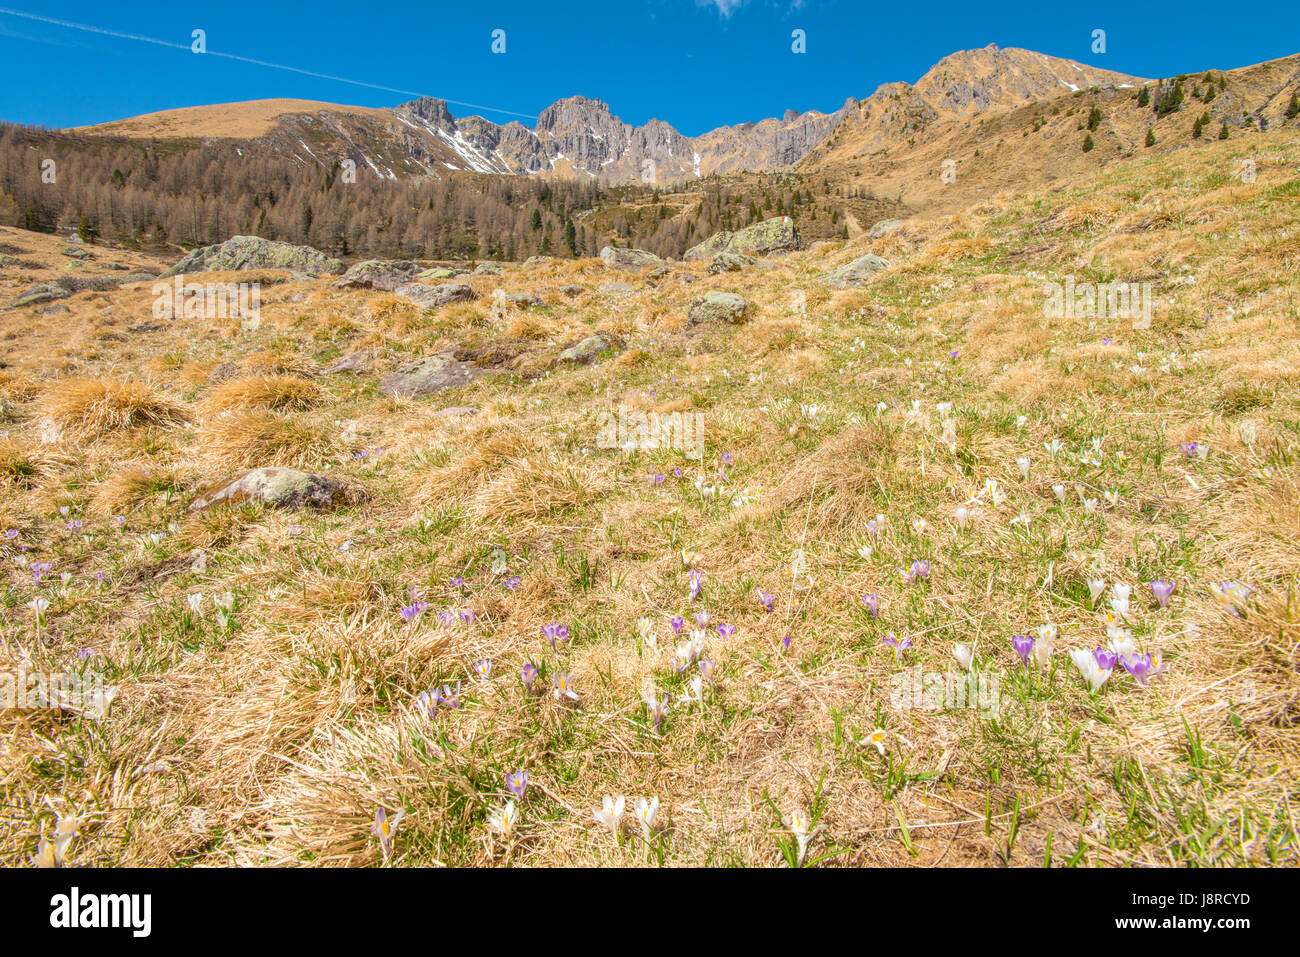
629,258
588,350
377,274
883,227
42,292
856,273
280,488
253,252
726,261
488,269
717,307
74,251
440,295
614,288
429,375
770,236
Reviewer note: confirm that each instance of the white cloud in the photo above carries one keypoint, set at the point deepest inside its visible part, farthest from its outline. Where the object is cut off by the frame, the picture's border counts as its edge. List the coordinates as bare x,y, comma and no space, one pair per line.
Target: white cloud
725,7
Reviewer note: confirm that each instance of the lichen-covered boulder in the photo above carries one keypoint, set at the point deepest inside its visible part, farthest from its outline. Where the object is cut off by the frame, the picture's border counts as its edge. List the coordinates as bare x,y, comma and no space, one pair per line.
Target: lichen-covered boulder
42,292
629,258
377,274
588,350
280,488
440,295
253,252
717,307
770,236
726,261
856,273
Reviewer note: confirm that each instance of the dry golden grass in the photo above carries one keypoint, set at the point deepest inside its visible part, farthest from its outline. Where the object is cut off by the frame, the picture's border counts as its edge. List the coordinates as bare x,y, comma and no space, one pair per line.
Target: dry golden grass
255,437
91,407
271,736
277,392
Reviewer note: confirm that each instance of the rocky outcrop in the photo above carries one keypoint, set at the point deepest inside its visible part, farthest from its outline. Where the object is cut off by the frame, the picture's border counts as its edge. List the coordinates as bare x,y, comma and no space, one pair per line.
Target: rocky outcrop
717,307
429,375
588,350
630,258
378,274
432,296
42,292
253,252
856,273
776,235
729,262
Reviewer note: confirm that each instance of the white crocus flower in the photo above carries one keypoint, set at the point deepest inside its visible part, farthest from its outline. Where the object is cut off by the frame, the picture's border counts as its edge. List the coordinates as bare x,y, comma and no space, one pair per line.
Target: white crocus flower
1119,599
1092,672
610,813
502,821
646,812
964,655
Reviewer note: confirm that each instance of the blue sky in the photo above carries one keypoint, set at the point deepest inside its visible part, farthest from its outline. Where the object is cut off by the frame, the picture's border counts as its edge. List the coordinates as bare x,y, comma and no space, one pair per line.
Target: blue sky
697,64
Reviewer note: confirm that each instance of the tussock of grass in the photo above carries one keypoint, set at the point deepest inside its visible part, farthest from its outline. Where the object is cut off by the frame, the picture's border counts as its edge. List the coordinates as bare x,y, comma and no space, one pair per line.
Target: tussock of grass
256,438
277,392
89,408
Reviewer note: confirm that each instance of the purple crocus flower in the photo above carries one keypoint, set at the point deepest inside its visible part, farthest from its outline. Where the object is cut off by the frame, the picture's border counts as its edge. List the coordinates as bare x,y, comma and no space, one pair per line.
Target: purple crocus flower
766,599
556,633
1106,340
1023,645
708,669
872,604
726,631
696,581
1105,658
512,582
677,624
413,611
75,525
1162,590
920,570
450,698
899,645
1189,449
429,702
726,458
677,472
468,616
528,674
658,479
702,618
517,783
1139,666
657,709
457,582
785,643
40,570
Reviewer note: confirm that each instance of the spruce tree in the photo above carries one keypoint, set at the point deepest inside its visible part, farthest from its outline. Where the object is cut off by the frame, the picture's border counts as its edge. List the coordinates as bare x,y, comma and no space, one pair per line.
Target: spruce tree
1087,143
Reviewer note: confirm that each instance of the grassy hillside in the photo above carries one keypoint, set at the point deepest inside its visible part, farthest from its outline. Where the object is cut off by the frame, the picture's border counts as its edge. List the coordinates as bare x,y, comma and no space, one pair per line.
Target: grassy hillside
268,678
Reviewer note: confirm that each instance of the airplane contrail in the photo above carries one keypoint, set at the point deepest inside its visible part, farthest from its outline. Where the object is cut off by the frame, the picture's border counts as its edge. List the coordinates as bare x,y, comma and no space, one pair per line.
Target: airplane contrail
87,28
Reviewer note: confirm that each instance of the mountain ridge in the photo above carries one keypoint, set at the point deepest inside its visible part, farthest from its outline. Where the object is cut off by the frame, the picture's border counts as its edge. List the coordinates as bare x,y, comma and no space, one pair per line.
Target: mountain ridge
580,135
